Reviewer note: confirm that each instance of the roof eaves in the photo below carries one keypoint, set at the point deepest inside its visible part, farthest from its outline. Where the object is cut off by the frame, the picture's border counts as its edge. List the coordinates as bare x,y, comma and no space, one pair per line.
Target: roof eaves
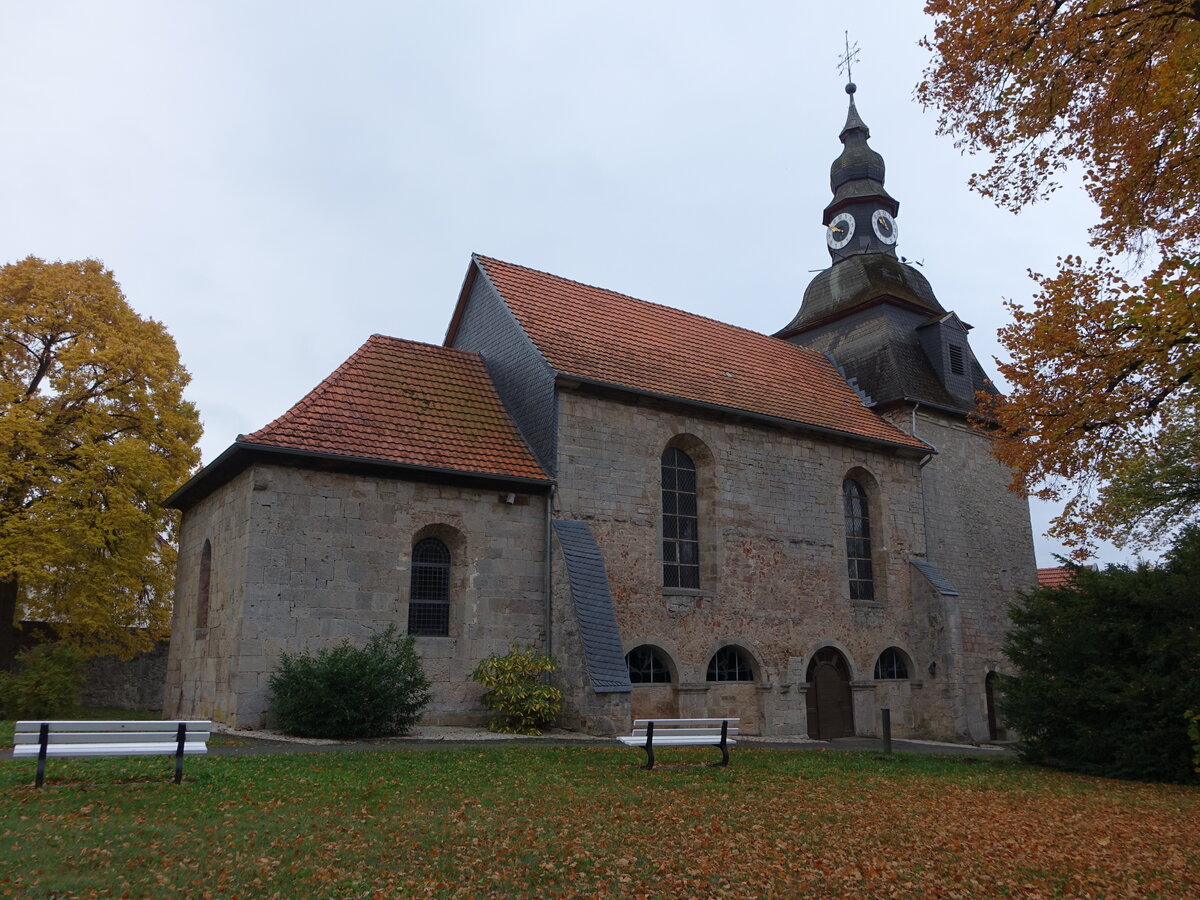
316,455
791,331
564,379
241,453
220,470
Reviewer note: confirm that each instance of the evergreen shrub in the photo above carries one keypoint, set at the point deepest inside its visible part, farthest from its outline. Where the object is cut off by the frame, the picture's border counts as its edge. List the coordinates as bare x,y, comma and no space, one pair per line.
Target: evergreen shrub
1193,730
48,682
521,699
350,692
1108,667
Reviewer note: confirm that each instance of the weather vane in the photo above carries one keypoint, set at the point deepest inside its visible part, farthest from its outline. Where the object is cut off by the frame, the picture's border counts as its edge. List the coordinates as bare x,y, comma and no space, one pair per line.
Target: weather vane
846,60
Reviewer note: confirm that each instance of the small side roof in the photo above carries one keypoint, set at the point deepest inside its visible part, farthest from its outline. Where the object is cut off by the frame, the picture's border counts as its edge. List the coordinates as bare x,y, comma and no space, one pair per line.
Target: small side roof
609,338
1055,577
395,403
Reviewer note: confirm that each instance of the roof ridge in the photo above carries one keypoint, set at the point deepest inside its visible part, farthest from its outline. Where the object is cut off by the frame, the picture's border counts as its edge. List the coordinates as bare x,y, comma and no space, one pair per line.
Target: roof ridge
411,342
329,381
593,287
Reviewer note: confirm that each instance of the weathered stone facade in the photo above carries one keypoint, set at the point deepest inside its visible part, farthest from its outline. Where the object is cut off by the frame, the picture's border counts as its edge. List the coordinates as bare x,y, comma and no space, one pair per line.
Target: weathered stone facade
772,556
305,559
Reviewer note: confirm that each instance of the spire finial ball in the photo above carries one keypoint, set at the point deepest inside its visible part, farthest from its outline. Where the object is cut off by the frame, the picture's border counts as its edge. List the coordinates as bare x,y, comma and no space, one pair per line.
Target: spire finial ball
851,87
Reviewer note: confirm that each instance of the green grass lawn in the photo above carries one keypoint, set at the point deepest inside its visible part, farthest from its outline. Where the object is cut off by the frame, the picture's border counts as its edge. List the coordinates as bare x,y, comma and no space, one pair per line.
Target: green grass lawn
583,821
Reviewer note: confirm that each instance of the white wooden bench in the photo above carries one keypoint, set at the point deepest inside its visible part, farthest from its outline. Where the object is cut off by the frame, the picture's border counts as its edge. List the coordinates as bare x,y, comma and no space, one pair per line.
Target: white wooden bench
137,738
651,733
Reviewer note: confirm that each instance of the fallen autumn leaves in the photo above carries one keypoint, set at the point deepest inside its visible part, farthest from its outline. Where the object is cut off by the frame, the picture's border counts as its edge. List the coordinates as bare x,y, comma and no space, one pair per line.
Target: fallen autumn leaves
587,822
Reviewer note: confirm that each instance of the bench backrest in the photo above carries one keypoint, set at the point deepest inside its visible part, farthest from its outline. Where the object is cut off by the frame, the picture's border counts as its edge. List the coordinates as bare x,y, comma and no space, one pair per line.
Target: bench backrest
689,727
146,731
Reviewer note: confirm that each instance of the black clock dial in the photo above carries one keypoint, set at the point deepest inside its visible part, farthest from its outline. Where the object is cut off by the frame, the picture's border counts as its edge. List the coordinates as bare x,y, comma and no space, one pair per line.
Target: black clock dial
841,229
884,226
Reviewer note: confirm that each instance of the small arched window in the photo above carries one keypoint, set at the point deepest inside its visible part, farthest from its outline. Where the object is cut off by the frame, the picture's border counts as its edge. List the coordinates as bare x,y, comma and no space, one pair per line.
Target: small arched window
730,664
892,665
858,540
647,666
204,586
680,521
429,596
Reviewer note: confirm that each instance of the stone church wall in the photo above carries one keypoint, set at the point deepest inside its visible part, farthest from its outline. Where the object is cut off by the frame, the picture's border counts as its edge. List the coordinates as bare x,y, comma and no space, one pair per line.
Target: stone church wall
773,564
326,559
981,539
203,660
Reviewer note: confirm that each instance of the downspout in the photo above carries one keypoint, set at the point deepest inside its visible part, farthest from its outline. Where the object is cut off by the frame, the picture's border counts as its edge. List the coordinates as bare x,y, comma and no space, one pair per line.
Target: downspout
921,473
547,587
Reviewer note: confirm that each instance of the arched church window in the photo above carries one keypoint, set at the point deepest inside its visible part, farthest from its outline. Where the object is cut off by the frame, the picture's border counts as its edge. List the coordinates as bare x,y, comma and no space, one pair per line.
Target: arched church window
858,540
730,663
680,521
429,596
892,665
204,585
647,666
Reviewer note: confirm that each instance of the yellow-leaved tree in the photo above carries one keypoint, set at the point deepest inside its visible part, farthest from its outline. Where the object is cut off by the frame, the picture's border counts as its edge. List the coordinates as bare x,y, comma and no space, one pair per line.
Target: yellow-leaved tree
1103,411
94,434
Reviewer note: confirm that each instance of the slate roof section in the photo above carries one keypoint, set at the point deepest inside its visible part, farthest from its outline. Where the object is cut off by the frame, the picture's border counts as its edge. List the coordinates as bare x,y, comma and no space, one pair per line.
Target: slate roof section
857,280
879,349
602,647
408,403
602,336
934,576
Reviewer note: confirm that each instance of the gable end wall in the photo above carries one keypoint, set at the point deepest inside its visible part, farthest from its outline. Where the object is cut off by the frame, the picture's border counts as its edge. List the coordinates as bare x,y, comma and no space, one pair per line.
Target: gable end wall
522,376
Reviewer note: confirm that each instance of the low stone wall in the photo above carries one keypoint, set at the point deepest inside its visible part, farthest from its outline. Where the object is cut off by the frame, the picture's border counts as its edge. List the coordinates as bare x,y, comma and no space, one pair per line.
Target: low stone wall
127,684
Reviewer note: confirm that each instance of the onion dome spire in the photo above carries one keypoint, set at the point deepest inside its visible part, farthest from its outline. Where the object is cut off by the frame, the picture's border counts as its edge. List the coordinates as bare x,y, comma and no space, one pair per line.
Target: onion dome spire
861,216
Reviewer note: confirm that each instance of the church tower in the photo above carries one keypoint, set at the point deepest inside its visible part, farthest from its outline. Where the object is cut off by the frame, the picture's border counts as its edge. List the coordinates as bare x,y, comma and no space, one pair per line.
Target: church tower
877,318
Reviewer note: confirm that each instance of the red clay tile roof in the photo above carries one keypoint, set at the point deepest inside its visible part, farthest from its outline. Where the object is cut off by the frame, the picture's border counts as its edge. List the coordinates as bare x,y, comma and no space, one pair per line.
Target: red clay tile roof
409,403
588,332
1059,576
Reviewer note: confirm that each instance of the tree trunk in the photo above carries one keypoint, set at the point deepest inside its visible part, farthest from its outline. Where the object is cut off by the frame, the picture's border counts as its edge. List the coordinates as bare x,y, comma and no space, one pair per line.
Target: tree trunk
8,624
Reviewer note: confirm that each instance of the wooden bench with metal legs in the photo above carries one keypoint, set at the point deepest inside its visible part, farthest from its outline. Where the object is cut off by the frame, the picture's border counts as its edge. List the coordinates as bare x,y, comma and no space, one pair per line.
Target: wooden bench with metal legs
651,733
44,739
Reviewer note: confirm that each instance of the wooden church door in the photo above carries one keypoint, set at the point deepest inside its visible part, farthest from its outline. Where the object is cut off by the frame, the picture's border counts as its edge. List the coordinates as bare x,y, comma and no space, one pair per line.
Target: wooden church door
830,708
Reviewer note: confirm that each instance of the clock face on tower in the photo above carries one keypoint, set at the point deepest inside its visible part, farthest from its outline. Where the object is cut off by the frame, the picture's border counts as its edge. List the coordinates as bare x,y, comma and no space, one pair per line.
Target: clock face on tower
884,226
841,229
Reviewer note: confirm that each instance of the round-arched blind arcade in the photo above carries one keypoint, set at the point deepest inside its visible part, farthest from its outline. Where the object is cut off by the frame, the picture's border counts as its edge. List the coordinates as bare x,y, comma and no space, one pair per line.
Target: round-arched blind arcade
892,665
429,594
730,663
647,666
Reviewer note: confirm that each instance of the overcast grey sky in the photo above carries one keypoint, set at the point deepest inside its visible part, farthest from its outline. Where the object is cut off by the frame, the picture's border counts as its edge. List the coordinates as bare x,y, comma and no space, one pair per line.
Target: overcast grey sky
276,181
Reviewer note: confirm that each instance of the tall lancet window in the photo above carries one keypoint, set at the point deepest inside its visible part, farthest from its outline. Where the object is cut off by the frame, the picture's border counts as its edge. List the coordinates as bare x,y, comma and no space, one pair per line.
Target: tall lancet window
203,588
858,540
680,521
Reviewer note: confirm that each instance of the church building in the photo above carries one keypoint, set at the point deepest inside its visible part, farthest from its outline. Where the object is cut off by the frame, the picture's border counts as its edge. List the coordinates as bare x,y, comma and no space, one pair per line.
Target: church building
692,518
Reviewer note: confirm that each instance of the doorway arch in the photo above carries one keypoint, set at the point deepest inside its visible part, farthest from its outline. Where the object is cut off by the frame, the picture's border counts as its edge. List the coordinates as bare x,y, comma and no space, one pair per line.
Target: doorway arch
989,691
830,707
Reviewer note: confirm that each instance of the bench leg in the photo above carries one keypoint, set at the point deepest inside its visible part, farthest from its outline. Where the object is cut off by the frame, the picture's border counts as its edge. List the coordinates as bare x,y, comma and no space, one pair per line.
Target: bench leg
180,738
649,746
43,740
723,745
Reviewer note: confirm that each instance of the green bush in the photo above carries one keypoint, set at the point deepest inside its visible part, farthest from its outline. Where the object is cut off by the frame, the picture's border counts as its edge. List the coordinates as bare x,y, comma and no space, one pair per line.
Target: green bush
1107,668
349,692
48,682
522,701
